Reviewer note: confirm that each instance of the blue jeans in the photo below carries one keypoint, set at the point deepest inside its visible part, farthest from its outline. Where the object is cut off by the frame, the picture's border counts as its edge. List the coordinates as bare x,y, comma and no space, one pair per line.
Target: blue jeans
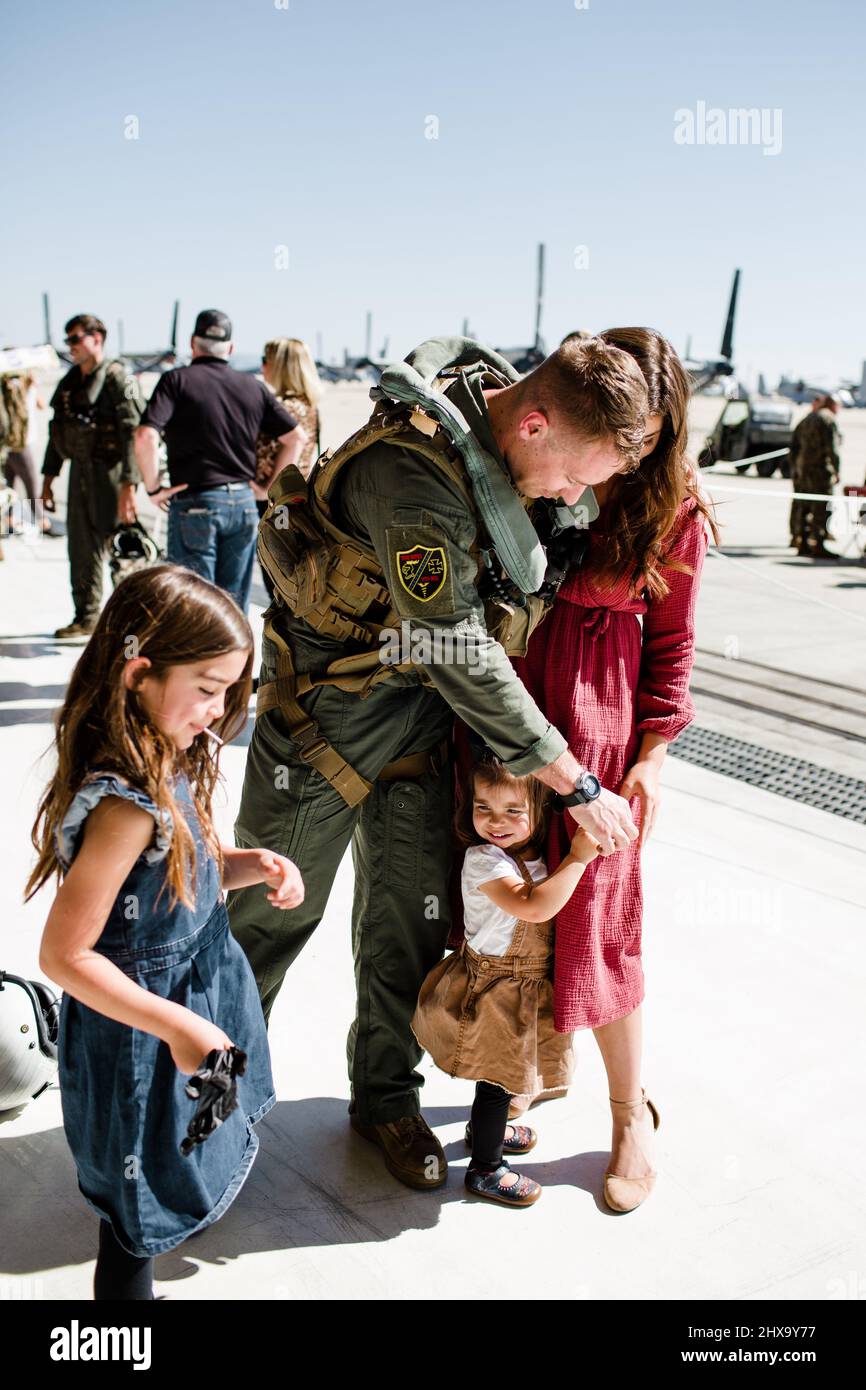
213,532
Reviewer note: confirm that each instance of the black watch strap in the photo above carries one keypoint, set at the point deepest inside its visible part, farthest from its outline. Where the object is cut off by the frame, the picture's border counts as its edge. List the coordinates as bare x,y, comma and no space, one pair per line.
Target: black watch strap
587,789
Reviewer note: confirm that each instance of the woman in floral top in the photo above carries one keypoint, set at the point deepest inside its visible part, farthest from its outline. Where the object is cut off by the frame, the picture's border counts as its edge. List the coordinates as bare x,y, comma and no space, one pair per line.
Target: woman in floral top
289,370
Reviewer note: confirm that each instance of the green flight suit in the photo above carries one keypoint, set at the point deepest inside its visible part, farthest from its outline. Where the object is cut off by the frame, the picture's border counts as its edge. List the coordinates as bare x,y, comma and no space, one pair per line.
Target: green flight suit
404,508
94,423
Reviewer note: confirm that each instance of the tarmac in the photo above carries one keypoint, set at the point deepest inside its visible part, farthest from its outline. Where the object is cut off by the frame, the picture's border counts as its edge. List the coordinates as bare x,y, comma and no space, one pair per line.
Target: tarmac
753,932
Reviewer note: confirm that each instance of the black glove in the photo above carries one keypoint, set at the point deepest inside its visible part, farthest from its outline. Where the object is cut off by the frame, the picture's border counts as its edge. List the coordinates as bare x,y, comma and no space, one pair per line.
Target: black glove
215,1088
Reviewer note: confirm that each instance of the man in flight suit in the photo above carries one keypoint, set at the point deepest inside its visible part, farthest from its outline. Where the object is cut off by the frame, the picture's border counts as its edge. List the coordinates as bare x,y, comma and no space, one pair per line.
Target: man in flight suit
97,406
574,421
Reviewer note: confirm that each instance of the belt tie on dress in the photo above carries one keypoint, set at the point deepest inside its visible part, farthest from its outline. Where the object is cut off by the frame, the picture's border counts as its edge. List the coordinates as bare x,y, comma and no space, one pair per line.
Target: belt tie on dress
595,622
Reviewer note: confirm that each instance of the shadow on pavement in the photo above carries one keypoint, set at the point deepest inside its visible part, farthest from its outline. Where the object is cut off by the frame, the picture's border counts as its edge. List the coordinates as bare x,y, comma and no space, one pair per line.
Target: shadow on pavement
314,1183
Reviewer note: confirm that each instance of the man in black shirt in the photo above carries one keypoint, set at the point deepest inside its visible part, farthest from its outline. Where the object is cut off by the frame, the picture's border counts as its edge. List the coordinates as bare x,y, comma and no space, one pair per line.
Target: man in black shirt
211,418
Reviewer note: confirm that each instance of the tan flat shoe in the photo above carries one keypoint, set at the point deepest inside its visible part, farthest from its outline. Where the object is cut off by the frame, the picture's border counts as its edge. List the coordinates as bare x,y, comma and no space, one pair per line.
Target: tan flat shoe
626,1194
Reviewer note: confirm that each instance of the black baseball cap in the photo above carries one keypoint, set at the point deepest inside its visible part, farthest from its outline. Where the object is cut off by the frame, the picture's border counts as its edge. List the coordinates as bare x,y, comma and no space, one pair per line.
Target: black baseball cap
214,324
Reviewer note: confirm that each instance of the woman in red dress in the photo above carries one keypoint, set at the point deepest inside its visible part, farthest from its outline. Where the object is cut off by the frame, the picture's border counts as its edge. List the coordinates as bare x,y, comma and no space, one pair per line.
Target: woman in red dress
617,688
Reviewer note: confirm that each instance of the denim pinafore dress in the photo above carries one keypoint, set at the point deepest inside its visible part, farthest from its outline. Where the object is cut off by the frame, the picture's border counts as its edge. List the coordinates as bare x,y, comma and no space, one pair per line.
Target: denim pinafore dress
125,1110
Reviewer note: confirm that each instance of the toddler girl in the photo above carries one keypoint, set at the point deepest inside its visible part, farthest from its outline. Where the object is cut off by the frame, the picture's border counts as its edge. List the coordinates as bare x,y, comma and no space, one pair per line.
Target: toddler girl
486,1011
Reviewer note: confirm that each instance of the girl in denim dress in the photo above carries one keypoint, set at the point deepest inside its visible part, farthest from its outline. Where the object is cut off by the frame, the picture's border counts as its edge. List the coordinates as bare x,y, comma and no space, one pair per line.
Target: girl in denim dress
138,935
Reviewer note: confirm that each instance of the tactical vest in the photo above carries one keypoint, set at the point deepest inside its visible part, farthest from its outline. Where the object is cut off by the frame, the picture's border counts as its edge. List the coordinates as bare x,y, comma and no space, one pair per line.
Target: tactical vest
87,430
335,583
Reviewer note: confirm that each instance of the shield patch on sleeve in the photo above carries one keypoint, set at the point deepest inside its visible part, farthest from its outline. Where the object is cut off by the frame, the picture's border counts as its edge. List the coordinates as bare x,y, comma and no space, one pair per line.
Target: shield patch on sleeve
422,571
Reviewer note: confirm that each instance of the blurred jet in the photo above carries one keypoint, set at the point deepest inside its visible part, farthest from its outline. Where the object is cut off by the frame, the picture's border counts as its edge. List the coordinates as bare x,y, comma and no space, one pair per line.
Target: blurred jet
149,360
704,373
803,392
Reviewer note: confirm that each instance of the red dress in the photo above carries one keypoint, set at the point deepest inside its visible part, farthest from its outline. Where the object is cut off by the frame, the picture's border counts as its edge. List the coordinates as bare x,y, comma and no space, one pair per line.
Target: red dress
604,680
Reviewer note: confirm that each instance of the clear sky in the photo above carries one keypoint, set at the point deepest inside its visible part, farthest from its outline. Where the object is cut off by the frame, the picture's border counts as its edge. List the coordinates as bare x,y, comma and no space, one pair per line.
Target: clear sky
305,127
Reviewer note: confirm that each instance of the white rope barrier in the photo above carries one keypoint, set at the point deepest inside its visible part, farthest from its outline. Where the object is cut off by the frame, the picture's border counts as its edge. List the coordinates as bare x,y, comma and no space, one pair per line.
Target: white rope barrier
753,458
853,503
792,496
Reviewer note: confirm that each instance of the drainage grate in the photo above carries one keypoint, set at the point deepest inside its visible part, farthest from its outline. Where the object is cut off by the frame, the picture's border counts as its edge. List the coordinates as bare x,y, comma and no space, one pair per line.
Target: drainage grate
793,778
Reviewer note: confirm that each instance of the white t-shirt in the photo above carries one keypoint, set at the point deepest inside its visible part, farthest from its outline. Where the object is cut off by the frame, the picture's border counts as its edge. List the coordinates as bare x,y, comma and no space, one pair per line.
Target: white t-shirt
489,929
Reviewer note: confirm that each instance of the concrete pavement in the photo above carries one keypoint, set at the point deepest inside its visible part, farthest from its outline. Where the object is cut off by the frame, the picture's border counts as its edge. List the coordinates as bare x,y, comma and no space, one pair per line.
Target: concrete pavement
753,953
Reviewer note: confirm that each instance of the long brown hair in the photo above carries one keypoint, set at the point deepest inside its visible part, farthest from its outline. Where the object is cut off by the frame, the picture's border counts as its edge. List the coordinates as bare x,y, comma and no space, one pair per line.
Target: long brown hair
489,771
174,618
641,506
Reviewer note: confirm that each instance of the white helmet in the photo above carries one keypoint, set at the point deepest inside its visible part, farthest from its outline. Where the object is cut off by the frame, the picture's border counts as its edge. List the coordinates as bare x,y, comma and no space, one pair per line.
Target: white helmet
29,1020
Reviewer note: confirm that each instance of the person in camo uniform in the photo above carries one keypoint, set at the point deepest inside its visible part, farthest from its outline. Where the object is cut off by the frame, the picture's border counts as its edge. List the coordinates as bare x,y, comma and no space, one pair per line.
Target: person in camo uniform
814,468
97,406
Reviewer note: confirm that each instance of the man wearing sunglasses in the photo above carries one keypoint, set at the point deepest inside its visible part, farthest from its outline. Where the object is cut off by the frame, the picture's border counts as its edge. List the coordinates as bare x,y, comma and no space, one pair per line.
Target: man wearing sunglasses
97,407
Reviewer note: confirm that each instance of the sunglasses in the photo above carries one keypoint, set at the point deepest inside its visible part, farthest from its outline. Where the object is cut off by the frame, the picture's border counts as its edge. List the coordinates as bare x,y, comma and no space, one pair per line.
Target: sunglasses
74,339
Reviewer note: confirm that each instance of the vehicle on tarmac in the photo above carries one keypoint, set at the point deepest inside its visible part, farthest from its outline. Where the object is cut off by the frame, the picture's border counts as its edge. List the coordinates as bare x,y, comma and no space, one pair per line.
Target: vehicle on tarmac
749,429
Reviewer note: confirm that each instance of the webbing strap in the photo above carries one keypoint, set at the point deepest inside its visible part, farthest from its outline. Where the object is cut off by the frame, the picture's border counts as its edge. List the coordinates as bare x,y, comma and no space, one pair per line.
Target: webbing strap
417,764
312,747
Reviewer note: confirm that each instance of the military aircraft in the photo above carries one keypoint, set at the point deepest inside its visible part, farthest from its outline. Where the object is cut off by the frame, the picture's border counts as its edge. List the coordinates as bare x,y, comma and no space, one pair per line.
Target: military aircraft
802,392
363,368
153,360
352,369
703,372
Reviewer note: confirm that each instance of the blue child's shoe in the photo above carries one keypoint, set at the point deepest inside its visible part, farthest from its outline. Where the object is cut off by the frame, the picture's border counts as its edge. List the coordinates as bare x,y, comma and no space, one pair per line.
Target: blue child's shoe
489,1185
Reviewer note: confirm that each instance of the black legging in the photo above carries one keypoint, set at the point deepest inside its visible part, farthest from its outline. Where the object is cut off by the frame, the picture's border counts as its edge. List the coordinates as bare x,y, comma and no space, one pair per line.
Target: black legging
119,1276
489,1121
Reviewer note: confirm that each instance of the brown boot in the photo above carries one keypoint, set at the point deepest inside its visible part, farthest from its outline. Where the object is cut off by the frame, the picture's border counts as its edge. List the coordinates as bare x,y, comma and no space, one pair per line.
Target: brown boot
413,1154
75,629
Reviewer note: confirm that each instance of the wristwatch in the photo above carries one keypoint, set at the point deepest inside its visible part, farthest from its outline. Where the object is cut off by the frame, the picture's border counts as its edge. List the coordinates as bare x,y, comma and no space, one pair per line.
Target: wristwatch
586,789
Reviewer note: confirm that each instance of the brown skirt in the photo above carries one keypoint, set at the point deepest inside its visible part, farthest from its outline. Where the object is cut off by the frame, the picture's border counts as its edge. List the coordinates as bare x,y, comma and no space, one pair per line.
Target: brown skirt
490,1018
